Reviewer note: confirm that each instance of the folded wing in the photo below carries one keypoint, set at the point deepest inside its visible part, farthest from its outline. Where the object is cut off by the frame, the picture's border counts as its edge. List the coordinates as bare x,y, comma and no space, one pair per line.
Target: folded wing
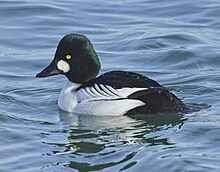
122,92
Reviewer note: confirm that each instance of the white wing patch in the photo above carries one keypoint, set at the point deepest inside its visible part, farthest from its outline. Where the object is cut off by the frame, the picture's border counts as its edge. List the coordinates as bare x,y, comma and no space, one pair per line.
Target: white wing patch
105,100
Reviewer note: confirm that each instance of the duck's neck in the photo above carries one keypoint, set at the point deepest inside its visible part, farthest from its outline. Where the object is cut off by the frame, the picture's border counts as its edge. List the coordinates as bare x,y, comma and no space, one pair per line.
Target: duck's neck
67,100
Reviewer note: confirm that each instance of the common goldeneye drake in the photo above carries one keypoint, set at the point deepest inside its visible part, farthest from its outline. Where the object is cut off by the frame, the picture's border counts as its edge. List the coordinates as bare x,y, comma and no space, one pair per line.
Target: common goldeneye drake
112,93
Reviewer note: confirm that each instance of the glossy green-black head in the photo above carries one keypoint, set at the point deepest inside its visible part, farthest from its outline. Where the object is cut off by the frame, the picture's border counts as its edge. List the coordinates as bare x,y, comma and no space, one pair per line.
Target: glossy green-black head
76,58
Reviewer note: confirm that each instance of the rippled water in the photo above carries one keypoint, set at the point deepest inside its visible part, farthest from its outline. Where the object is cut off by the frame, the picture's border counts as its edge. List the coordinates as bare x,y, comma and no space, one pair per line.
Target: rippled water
174,42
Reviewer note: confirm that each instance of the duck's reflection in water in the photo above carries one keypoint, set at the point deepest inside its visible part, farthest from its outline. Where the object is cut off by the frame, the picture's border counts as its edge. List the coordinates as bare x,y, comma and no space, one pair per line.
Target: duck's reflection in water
92,138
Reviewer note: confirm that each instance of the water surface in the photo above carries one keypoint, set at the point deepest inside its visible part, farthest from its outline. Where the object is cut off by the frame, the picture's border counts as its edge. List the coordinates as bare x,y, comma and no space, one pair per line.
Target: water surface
173,42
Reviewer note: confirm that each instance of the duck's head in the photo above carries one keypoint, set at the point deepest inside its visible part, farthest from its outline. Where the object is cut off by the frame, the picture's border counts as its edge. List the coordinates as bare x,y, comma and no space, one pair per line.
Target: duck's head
75,58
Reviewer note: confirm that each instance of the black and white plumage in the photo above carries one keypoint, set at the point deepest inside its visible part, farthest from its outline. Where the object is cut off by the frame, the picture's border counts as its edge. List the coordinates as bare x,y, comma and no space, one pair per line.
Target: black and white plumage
112,93
119,93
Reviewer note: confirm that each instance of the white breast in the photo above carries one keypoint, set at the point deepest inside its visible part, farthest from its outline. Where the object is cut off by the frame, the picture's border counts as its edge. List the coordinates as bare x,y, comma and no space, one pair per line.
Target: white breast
97,100
67,101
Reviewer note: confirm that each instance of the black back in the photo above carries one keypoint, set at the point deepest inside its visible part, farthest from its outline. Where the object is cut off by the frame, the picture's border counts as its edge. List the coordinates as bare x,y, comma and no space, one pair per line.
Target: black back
120,79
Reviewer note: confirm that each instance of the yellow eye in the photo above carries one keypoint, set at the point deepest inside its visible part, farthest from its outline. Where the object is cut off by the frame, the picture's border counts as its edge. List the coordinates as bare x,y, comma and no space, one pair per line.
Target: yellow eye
68,56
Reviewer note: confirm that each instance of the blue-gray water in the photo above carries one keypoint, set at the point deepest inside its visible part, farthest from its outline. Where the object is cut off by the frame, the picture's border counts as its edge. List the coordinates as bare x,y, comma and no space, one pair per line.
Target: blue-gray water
174,42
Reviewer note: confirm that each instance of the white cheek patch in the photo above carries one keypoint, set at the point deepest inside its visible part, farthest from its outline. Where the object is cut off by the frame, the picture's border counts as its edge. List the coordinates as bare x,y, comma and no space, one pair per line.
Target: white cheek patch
63,66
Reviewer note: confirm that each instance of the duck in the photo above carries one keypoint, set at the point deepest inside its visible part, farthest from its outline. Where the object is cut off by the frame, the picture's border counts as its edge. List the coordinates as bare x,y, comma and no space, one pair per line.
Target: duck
112,93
